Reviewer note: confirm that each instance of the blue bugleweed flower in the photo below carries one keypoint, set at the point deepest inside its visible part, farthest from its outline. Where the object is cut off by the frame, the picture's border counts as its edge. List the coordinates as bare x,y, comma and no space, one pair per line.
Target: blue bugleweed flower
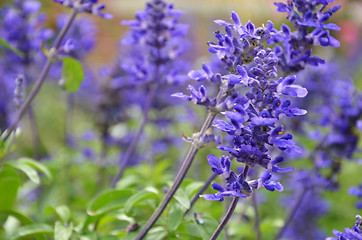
308,17
88,6
354,233
357,191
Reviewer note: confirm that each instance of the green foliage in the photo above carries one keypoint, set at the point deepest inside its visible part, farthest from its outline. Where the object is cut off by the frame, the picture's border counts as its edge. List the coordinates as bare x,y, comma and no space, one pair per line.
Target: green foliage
72,75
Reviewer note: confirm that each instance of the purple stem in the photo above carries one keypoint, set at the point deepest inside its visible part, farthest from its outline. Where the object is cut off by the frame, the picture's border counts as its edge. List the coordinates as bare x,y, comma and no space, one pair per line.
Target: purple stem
226,218
44,72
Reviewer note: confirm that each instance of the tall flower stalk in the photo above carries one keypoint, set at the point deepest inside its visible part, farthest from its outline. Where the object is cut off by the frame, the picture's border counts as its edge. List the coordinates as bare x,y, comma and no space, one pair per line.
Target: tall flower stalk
155,44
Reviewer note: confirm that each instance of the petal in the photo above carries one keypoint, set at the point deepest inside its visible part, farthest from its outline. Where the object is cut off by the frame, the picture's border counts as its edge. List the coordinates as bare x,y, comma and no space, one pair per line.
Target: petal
198,75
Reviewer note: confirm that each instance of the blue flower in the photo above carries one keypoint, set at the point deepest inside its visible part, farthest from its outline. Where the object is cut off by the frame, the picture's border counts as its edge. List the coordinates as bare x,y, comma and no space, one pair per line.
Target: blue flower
309,18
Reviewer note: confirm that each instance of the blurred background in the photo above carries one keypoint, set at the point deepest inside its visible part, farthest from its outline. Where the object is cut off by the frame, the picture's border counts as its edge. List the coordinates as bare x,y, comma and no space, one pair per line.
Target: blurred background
199,15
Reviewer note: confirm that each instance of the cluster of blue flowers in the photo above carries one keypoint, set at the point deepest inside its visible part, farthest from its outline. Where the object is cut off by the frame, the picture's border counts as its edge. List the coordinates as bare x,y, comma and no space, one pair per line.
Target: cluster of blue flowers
309,18
88,6
253,119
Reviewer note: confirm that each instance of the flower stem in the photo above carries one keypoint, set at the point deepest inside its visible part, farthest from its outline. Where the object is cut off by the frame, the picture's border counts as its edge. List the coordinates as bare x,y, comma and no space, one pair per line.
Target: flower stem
178,180
256,213
202,189
131,148
226,218
44,72
291,214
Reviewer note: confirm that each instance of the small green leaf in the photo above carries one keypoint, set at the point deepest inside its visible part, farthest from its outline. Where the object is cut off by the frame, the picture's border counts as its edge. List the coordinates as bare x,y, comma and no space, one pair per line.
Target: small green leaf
9,184
108,201
32,230
73,74
38,166
182,198
175,216
11,48
29,171
138,197
61,232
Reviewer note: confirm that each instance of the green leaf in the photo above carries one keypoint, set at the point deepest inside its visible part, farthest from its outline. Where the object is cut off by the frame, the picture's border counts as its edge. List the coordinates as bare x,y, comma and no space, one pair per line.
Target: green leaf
138,197
29,167
182,198
38,166
108,201
23,219
32,230
11,48
73,74
175,216
29,171
9,184
61,232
